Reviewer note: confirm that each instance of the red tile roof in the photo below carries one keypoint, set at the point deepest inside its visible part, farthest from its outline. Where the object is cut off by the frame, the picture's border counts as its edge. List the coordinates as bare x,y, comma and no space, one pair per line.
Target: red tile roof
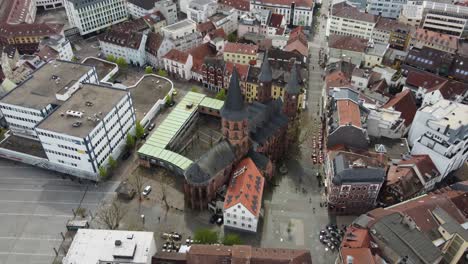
423,79
245,187
275,20
301,3
177,55
424,164
241,48
297,46
124,39
356,237
348,113
348,43
436,38
218,33
202,51
242,70
405,103
205,27
450,88
19,9
129,26
359,255
337,79
26,30
154,18
243,5
345,10
153,43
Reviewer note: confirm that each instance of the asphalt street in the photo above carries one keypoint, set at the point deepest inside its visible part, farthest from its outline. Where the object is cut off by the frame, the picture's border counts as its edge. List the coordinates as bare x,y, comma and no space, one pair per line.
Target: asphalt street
35,205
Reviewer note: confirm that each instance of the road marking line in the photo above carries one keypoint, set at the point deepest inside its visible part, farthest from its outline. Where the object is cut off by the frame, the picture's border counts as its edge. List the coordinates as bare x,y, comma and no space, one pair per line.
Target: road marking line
45,190
27,254
32,238
41,215
44,202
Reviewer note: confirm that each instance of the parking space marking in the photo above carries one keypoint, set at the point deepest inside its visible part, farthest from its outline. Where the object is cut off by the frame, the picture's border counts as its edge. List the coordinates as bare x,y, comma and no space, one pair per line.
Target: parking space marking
30,238
37,215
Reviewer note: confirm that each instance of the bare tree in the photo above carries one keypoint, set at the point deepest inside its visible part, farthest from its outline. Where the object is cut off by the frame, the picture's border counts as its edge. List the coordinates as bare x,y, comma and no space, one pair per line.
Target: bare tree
111,215
164,190
137,182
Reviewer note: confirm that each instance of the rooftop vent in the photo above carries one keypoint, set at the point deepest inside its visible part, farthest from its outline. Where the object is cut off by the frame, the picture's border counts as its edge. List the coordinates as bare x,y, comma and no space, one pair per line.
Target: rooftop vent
89,104
76,124
74,113
118,243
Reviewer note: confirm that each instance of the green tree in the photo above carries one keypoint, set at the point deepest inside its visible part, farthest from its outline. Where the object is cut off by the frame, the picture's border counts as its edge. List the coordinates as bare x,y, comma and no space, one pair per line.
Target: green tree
162,73
112,163
168,99
221,95
130,141
103,173
81,211
110,58
139,130
232,37
206,236
232,239
149,70
74,59
121,62
194,89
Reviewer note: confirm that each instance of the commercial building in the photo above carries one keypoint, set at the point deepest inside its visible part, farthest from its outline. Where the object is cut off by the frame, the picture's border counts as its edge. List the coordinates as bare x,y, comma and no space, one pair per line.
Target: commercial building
348,20
200,10
127,45
385,8
445,18
412,13
169,10
140,8
391,31
244,197
242,6
111,246
435,40
353,182
440,131
60,45
49,4
240,53
226,19
26,37
182,35
351,49
91,16
297,13
178,64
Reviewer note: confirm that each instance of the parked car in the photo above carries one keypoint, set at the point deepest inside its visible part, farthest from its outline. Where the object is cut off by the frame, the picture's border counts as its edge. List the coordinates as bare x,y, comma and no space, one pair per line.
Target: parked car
151,126
145,135
146,191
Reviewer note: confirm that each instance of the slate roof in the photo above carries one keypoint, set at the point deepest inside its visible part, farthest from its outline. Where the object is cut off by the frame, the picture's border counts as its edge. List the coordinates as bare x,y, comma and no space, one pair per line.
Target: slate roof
265,120
430,59
234,107
153,43
246,188
124,39
210,163
354,168
260,160
404,240
293,87
265,71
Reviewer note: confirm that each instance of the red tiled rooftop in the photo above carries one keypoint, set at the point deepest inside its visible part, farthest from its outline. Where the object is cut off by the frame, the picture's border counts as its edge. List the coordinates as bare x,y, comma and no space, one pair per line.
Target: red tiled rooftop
243,5
424,164
348,113
405,103
206,27
153,43
242,70
202,51
275,20
348,43
246,188
423,79
297,46
337,79
217,33
26,30
241,48
356,238
436,38
19,10
177,55
301,3
359,255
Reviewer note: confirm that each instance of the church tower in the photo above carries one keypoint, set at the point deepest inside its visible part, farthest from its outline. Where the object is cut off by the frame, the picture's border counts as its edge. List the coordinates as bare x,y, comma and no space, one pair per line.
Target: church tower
291,95
234,117
265,78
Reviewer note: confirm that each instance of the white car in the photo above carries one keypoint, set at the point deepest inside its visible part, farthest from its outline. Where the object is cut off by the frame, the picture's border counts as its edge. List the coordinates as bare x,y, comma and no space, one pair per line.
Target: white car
146,191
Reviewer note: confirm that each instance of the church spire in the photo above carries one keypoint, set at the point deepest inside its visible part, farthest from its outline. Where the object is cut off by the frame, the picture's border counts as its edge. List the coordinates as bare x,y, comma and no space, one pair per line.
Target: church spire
234,107
266,74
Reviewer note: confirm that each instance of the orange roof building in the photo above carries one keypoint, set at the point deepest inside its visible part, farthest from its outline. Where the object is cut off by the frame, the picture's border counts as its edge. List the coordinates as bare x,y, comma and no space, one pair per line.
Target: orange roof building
244,197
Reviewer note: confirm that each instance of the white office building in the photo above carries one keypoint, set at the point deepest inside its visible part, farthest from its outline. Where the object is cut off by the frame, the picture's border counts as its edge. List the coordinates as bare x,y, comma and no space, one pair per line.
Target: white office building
89,127
60,44
90,16
169,10
34,99
140,8
130,46
412,13
441,131
49,4
297,13
348,20
182,35
386,123
200,10
111,247
385,8
446,18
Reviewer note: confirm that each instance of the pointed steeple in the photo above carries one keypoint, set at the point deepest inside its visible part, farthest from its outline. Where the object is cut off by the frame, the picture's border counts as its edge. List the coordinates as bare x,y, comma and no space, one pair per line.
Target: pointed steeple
266,74
234,107
292,87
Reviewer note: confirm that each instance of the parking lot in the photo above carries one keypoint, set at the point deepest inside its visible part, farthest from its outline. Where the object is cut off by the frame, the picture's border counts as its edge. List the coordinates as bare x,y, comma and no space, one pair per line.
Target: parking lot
35,205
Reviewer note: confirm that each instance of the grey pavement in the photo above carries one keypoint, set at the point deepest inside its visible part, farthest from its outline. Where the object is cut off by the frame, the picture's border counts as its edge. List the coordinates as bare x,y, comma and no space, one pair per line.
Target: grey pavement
35,205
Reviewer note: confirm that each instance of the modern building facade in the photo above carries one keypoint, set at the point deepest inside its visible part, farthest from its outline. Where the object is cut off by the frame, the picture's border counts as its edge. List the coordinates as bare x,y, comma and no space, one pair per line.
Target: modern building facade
60,44
297,13
169,10
385,8
348,20
90,16
445,18
440,131
200,10
49,4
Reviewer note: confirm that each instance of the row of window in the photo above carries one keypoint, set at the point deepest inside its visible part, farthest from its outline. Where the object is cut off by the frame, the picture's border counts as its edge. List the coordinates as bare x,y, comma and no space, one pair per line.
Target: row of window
235,223
59,137
67,147
62,154
20,118
20,110
63,162
243,217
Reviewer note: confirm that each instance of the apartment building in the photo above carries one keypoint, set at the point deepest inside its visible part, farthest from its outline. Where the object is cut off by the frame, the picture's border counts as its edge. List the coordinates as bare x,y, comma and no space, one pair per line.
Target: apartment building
49,4
412,13
440,130
182,35
90,16
178,64
385,8
140,8
297,13
168,9
225,18
200,10
244,197
240,53
60,45
127,45
393,32
436,40
348,20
